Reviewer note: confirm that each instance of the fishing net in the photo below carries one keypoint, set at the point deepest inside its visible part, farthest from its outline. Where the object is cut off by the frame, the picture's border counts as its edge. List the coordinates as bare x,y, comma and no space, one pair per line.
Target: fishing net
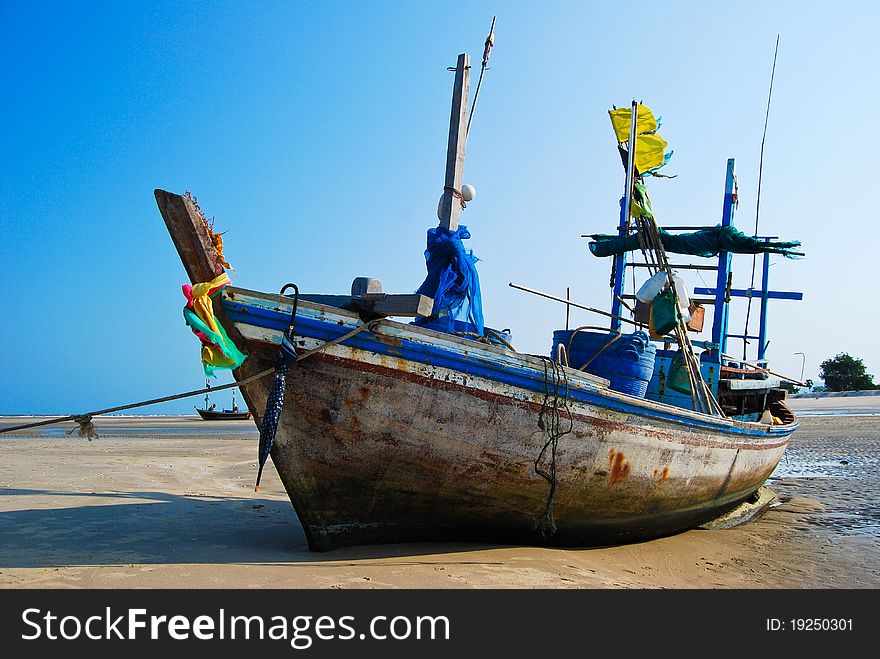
706,242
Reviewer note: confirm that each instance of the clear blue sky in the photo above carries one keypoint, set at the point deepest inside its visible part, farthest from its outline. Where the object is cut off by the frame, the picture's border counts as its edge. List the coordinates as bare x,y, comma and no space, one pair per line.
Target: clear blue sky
315,133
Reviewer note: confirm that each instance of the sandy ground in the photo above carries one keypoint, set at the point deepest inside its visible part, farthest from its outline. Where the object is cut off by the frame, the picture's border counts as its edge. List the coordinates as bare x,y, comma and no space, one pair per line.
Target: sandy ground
173,507
856,404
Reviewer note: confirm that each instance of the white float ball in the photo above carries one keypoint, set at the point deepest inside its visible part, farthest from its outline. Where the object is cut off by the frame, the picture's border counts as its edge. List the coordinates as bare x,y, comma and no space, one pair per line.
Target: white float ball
468,192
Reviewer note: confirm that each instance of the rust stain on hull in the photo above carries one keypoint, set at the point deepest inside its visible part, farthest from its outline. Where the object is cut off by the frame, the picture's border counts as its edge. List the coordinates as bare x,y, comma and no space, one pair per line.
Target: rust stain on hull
661,474
619,466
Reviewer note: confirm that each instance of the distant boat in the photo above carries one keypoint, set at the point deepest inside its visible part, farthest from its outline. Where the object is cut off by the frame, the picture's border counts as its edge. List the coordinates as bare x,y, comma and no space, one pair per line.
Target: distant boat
211,414
223,415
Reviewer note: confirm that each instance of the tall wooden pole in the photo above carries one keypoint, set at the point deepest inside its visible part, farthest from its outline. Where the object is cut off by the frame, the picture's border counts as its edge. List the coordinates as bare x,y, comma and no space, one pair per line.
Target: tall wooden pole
450,204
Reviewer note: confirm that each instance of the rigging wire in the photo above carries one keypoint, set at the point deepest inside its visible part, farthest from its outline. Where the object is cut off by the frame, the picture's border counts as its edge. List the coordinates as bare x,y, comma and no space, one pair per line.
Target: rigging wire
487,51
758,203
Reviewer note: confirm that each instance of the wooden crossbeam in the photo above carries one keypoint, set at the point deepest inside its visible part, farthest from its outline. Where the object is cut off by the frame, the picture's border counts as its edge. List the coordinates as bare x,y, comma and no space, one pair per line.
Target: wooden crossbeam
754,293
388,305
698,300
674,266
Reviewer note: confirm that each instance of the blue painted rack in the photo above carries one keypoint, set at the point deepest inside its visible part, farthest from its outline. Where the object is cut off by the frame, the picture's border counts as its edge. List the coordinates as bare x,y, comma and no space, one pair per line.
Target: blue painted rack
715,353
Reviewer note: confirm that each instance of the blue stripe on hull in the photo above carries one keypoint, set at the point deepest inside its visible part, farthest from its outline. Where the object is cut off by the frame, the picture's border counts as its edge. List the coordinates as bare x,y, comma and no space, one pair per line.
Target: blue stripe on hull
525,378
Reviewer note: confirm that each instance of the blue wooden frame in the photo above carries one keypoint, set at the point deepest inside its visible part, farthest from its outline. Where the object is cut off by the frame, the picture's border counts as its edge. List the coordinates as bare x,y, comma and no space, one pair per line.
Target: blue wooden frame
720,334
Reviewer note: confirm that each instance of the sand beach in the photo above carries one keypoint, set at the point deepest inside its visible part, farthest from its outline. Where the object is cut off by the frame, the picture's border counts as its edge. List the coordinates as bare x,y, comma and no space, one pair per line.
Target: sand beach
169,502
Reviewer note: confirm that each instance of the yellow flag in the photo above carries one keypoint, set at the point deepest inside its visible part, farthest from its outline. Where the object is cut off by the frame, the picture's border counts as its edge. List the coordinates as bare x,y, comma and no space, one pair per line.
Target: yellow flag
649,152
620,120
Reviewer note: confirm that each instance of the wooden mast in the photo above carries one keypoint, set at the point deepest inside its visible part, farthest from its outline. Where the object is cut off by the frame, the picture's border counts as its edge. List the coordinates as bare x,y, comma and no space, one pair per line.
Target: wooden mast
450,203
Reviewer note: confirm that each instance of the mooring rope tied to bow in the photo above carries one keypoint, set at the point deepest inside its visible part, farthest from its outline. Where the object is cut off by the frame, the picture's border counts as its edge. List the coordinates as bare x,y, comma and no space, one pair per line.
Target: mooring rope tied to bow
87,428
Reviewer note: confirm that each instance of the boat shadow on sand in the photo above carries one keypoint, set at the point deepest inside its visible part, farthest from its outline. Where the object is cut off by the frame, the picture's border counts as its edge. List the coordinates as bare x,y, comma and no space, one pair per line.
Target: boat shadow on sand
150,527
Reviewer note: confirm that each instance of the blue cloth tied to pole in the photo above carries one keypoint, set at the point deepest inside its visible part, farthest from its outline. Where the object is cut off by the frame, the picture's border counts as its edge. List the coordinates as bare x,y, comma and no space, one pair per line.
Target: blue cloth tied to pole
452,282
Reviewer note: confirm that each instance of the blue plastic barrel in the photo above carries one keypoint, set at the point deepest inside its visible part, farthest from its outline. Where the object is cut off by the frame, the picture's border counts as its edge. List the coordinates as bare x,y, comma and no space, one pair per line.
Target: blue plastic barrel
628,363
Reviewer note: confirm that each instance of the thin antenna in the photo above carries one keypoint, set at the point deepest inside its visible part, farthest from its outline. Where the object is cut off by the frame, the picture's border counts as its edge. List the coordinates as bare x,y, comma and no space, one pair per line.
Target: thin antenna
487,51
764,138
758,203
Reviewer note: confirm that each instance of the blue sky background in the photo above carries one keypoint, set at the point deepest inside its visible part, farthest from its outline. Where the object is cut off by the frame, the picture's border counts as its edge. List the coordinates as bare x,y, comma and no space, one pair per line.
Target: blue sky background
315,133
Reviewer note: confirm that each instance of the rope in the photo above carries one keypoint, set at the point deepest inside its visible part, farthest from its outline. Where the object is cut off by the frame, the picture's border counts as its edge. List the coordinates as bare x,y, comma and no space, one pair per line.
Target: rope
701,395
586,327
600,351
562,355
758,204
551,428
484,338
88,429
457,194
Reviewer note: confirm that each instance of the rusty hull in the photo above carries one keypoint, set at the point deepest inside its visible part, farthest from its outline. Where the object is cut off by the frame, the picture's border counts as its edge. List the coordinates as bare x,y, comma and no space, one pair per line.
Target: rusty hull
375,449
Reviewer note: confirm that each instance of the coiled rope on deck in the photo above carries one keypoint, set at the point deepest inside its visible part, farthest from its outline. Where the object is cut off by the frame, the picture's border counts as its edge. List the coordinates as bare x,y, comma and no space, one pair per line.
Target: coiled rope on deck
87,429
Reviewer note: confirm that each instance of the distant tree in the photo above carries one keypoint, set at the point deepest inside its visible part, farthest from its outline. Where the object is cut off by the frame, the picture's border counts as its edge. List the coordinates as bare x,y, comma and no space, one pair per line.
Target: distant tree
790,387
795,388
845,373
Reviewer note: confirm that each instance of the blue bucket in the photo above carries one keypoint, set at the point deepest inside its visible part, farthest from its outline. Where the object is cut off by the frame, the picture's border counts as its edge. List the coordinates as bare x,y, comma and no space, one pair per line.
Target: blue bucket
628,363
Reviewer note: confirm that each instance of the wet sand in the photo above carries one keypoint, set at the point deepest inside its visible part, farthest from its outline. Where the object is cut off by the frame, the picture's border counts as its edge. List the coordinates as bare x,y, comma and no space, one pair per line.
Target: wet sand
173,505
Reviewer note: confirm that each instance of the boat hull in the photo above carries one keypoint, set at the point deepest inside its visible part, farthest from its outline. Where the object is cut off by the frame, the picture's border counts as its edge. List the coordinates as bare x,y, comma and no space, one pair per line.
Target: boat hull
383,439
223,415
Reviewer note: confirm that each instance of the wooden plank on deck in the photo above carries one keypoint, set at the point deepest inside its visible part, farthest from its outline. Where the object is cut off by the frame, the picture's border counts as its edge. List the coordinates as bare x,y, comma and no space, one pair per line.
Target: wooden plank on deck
390,305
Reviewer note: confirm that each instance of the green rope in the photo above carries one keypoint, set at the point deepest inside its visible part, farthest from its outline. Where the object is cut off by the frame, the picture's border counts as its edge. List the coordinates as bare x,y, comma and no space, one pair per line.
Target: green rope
551,422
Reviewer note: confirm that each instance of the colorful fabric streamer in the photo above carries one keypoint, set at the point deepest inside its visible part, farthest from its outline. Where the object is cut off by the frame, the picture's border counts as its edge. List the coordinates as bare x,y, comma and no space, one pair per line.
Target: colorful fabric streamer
621,119
218,350
650,154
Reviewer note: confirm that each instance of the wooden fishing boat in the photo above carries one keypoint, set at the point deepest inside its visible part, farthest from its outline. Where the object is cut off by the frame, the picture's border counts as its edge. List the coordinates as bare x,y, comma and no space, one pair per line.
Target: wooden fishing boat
223,415
402,433
209,413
